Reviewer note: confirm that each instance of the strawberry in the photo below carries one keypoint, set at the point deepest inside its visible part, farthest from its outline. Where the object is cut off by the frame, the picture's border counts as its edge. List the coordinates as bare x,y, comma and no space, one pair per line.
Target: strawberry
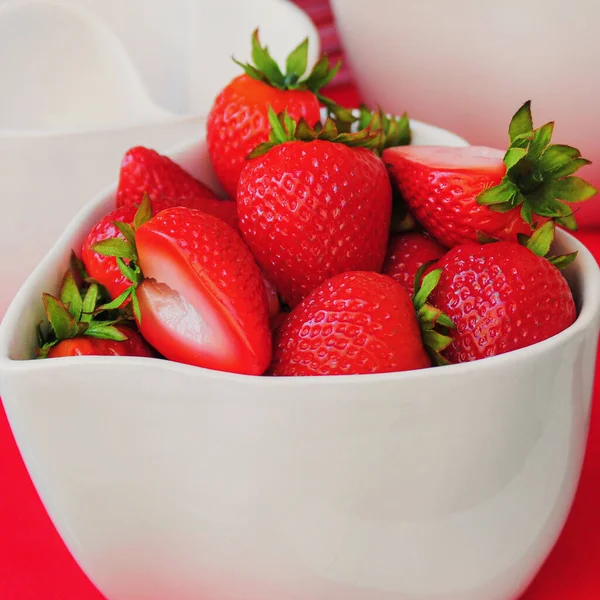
101,268
466,194
238,121
197,294
104,269
132,344
355,323
312,204
77,327
144,171
407,253
273,302
502,296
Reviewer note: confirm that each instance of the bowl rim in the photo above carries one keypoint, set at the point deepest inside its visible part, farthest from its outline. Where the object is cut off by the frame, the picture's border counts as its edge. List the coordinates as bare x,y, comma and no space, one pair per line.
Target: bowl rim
588,317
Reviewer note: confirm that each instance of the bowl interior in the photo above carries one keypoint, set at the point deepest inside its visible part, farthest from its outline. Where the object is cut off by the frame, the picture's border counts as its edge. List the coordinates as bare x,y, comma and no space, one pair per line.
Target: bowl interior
17,339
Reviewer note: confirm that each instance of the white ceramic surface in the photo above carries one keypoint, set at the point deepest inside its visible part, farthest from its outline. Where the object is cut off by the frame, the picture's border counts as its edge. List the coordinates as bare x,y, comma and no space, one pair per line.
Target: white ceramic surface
181,49
467,65
169,481
86,80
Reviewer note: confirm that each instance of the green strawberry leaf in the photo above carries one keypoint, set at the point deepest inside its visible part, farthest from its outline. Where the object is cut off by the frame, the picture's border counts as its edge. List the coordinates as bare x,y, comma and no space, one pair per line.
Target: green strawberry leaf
40,334
136,307
296,63
568,168
70,296
127,231
251,71
541,239
89,303
425,286
118,301
522,122
541,139
513,156
61,320
566,216
562,262
132,274
143,213
572,189
115,247
77,268
105,330
265,63
321,75
500,194
556,156
342,117
527,213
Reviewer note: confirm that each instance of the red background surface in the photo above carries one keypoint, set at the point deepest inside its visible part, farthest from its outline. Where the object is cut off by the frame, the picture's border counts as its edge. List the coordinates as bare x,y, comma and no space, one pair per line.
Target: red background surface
35,565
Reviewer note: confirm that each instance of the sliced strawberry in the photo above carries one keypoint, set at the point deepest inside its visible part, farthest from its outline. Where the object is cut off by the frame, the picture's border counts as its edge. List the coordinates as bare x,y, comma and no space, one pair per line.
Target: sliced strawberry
467,194
441,186
202,300
104,269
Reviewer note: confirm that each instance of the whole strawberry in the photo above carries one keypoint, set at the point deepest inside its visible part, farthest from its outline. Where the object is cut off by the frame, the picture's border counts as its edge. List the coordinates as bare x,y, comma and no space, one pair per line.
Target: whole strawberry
407,253
502,296
310,206
77,326
466,194
356,323
197,294
105,269
144,171
130,344
238,121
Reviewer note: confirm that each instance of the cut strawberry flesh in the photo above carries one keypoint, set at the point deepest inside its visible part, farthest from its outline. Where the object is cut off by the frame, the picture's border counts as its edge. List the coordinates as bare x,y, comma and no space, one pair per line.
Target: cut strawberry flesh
184,318
447,158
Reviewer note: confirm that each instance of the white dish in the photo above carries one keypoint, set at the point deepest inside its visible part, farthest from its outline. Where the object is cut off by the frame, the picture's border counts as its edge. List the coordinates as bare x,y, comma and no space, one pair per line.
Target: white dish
170,481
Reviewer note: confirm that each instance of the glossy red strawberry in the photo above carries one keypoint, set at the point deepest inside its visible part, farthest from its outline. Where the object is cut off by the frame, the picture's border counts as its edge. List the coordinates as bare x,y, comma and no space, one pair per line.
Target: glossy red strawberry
238,120
407,253
133,345
198,295
78,326
145,171
462,194
354,323
312,209
104,269
501,297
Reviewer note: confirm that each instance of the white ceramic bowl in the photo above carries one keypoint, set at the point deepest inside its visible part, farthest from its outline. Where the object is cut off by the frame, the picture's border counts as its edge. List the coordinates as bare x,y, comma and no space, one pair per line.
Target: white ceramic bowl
467,65
170,481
